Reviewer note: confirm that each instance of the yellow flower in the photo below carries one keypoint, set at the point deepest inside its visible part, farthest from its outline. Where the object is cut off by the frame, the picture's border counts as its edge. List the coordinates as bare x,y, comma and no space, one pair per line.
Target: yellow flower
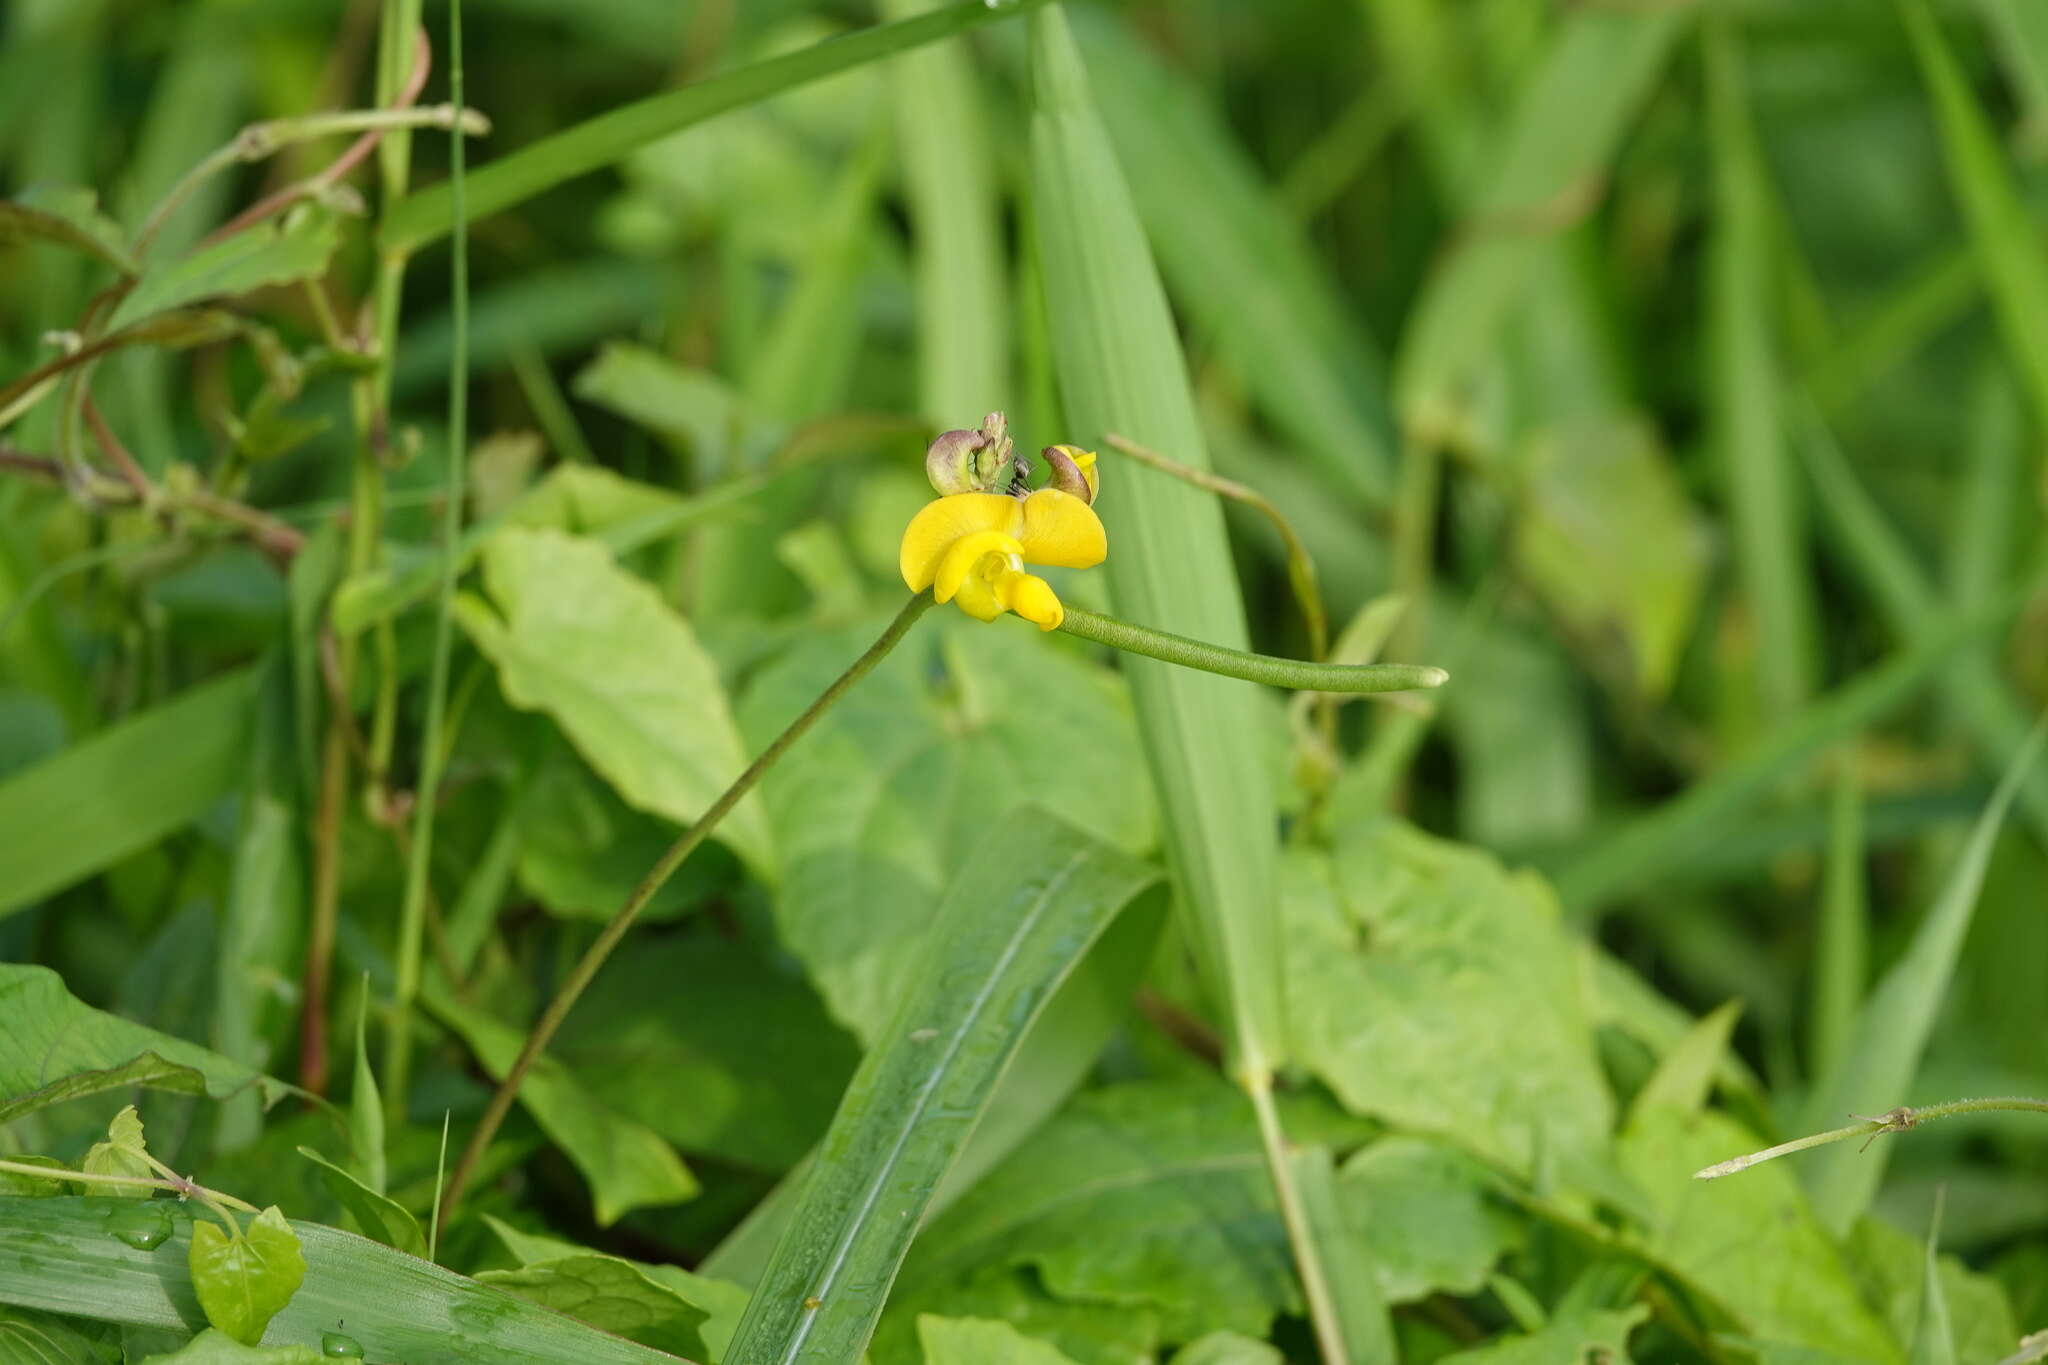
971,548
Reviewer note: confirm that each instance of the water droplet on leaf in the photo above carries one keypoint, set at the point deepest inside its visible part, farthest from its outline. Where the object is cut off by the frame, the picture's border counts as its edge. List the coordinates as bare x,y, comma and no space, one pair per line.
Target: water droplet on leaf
144,1226
337,1346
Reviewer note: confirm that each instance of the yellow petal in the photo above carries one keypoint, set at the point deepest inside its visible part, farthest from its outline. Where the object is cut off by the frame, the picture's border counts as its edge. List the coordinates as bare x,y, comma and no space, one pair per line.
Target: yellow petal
962,561
1061,529
978,596
1032,598
945,520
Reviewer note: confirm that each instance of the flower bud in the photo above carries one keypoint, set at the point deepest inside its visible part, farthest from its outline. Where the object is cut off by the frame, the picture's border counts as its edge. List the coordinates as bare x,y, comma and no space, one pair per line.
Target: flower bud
1073,471
953,464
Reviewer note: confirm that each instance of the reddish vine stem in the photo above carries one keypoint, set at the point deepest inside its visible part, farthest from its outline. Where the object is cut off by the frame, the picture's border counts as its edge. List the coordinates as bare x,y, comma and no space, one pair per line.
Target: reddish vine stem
358,151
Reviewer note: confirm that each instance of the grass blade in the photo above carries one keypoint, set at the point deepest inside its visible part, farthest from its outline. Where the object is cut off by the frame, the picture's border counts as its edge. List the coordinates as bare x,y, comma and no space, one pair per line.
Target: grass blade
56,1254
1763,491
1842,954
1635,856
2004,234
122,790
1892,1030
1995,718
1567,121
425,215
1120,369
962,358
1243,269
1013,925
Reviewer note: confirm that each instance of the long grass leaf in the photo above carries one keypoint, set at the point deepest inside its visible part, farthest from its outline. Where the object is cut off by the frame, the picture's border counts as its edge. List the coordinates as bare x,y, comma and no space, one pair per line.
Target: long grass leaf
1013,925
122,790
949,182
2006,237
1842,950
1892,1030
1243,269
1567,121
57,1255
1748,408
1995,718
425,215
1633,857
1120,369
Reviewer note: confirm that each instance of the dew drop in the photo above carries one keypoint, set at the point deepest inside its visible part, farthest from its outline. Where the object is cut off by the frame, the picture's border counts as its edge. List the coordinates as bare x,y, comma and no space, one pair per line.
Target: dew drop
336,1346
146,1226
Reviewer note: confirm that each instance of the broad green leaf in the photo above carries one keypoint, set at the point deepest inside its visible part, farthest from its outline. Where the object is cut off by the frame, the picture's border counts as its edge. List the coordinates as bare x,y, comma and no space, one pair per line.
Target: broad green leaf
575,635
426,214
56,1254
1176,1168
122,790
68,216
243,1281
1090,1333
1429,1215
123,1153
2003,231
214,1347
1748,409
1243,269
982,1341
723,1302
1882,1055
1015,922
949,184
1228,1348
628,1165
623,514
1752,1243
1120,369
1568,117
609,1293
873,821
1894,1272
1462,1017
1611,541
56,1048
1567,1339
379,1216
709,1018
270,253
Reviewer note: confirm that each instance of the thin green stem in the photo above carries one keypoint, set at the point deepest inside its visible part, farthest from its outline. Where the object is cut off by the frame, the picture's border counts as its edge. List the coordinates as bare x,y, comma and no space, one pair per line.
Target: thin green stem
261,140
1258,668
586,968
1301,569
1323,1313
177,1185
412,915
1897,1121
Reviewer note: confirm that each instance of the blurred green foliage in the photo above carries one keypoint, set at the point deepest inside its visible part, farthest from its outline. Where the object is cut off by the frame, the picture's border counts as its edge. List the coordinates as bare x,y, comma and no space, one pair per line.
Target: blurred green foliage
1675,374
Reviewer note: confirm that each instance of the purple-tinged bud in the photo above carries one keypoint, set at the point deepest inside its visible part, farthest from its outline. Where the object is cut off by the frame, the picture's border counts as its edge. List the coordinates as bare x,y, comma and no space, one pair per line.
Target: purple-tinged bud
953,462
1073,471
